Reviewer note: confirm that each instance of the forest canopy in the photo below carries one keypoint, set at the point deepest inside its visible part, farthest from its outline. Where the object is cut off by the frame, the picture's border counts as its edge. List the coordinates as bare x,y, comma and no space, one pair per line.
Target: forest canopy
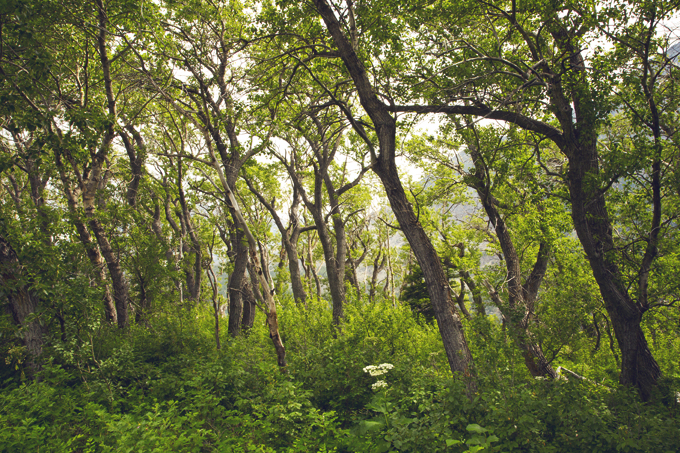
339,225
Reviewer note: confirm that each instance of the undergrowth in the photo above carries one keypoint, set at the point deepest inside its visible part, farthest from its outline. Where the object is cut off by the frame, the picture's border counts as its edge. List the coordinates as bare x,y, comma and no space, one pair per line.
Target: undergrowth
164,387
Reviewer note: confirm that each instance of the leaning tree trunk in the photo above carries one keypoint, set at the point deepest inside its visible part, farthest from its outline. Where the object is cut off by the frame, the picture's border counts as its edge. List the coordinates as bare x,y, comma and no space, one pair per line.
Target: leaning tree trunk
118,280
267,293
270,304
384,165
92,182
592,224
450,326
85,237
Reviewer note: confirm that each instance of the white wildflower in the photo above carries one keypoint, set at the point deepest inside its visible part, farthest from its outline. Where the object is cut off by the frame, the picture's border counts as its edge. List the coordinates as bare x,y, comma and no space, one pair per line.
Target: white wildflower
378,385
378,370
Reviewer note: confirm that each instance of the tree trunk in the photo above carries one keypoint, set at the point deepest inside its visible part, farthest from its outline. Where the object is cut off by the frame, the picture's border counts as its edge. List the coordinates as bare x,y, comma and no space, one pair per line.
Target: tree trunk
240,223
299,293
194,275
91,183
249,307
474,289
272,318
91,248
336,282
236,284
351,275
592,224
98,264
120,284
450,327
312,269
136,158
22,304
212,279
378,266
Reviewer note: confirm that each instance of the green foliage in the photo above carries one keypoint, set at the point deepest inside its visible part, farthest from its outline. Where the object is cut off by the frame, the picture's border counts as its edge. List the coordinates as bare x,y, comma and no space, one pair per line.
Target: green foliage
165,388
415,293
215,81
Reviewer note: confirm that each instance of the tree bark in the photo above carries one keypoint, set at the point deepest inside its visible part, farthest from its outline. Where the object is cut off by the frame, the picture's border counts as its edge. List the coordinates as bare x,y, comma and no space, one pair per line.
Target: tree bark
249,307
22,304
237,282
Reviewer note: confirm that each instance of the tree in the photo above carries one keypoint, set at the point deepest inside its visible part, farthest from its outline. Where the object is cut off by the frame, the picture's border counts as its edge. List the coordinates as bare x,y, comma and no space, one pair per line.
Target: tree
323,136
344,41
78,123
539,57
23,303
289,236
205,42
528,67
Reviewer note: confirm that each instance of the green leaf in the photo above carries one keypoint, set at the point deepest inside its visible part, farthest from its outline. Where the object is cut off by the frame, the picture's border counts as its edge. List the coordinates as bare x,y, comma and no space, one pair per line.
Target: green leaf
369,425
475,428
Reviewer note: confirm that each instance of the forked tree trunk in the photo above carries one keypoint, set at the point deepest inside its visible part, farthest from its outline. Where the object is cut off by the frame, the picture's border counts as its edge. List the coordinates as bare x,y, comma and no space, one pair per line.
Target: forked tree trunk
270,304
289,238
518,311
334,267
118,279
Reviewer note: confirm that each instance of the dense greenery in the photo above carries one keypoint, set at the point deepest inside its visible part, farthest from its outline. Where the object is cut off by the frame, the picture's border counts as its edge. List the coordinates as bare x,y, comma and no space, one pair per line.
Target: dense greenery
166,388
339,226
